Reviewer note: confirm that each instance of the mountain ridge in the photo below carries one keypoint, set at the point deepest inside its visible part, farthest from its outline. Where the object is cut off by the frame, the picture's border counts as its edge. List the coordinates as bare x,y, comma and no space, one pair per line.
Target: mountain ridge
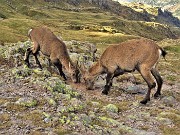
170,5
131,14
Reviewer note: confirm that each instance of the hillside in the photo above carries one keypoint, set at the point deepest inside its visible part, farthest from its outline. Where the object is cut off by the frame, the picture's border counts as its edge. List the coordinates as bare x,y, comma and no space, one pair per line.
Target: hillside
170,5
40,102
96,21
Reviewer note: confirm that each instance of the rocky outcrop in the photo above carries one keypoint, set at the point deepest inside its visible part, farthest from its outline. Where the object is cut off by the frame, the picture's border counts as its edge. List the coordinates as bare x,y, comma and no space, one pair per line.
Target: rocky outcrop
115,8
166,17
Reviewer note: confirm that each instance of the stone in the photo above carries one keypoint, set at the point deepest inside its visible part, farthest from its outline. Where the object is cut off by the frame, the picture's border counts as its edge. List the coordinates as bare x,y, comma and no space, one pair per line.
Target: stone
169,101
142,132
27,101
76,104
109,122
132,89
164,121
85,119
51,101
111,108
61,109
21,72
40,72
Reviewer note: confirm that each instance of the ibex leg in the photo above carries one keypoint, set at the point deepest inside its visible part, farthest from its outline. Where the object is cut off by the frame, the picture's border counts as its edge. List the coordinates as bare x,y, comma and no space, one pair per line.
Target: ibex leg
37,61
35,51
159,81
26,57
59,66
146,74
108,85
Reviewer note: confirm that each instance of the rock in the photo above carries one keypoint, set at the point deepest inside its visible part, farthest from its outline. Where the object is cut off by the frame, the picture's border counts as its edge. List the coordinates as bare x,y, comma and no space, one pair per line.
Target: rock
76,57
142,132
54,84
109,122
92,115
169,101
63,119
77,125
60,96
164,121
71,106
132,117
85,119
95,104
145,115
136,103
27,101
111,108
132,89
169,115
21,72
61,109
76,104
51,101
47,120
43,73
81,51
15,52
98,130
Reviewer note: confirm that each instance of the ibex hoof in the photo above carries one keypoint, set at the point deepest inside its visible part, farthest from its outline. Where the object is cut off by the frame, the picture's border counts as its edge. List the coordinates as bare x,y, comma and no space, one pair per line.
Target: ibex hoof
156,95
144,101
27,63
104,92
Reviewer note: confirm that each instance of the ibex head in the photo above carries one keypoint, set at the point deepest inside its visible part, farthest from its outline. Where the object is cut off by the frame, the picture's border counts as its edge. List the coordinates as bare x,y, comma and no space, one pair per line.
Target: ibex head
87,77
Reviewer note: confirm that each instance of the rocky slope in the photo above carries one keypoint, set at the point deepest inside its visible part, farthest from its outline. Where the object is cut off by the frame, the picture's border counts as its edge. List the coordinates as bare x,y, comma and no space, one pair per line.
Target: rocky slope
34,101
128,13
170,5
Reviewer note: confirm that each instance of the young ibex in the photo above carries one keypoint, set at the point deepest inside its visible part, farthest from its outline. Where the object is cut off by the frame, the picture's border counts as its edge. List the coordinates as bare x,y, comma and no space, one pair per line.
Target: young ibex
138,54
45,41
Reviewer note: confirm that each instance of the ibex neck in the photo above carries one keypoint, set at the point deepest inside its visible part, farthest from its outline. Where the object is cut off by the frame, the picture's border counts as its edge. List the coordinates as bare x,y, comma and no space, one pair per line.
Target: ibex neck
96,69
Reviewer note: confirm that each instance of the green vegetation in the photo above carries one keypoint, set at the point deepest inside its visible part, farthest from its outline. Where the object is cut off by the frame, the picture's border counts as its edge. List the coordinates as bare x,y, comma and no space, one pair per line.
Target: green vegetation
84,25
173,63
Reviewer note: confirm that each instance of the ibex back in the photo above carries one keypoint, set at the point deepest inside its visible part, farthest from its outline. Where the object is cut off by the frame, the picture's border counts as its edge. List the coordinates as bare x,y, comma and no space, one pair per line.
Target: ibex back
138,54
45,41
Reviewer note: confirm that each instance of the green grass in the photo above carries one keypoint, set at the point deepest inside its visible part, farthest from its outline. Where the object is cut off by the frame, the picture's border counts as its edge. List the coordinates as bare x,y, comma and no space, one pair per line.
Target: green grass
173,61
20,16
169,130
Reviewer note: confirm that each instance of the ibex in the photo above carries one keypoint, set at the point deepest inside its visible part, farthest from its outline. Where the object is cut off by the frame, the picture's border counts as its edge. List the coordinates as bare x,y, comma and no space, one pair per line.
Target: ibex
45,41
137,54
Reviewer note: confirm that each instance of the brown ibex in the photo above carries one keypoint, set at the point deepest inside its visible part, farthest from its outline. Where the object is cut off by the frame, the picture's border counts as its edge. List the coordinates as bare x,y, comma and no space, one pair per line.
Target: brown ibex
45,41
137,54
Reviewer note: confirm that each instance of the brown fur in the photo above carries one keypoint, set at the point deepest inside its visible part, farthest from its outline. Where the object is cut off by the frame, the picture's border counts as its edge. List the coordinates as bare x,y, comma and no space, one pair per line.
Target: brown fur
138,54
45,41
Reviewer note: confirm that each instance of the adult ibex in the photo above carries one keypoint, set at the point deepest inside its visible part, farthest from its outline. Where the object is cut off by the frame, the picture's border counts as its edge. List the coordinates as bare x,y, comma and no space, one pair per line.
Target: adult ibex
137,54
45,41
